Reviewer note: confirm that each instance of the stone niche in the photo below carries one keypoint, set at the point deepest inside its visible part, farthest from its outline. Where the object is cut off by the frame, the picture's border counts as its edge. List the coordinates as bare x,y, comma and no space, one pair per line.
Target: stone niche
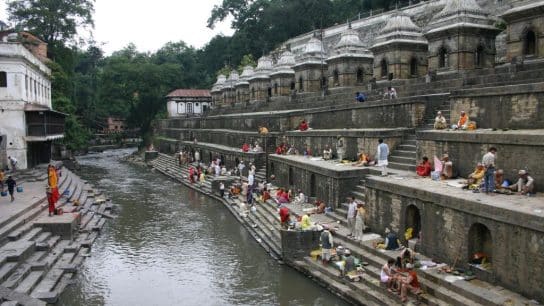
516,150
328,183
525,32
453,227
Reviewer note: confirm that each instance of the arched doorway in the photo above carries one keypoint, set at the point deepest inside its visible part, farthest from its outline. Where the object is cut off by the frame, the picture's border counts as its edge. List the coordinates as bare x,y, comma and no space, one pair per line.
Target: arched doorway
360,75
413,67
442,58
384,67
276,89
480,241
271,169
530,43
252,92
479,57
292,85
413,220
300,84
291,177
269,92
312,186
335,78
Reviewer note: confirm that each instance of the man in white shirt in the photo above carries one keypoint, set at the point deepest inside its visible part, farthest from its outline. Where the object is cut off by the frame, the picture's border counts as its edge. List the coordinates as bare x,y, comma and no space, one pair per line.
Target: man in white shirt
525,183
13,162
352,208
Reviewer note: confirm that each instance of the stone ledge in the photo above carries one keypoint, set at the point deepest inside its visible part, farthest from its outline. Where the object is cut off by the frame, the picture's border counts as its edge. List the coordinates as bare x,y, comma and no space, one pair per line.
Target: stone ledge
509,209
500,90
327,168
220,148
373,133
487,136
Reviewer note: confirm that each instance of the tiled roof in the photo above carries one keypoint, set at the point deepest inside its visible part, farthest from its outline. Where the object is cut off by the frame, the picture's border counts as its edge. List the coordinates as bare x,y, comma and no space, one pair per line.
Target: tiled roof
190,93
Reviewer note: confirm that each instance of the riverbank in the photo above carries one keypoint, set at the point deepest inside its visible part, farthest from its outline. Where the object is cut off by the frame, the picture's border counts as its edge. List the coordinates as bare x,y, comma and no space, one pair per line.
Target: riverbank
39,255
438,288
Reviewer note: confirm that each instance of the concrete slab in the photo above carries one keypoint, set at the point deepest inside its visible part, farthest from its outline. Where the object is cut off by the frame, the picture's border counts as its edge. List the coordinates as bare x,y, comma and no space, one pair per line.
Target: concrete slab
64,225
33,193
327,167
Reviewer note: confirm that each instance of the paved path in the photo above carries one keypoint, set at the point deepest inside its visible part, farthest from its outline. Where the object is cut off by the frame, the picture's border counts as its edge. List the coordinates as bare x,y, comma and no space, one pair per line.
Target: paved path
33,192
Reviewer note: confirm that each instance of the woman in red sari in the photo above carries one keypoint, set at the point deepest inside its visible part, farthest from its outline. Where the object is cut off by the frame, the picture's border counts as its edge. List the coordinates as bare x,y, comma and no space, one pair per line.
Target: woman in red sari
53,183
50,200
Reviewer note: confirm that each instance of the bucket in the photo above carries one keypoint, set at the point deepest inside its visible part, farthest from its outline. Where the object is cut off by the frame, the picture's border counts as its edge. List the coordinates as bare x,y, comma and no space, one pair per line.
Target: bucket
4,193
66,192
19,188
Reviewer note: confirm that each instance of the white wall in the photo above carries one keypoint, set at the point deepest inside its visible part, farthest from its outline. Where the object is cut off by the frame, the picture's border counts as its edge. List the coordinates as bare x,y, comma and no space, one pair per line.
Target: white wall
176,109
27,82
12,124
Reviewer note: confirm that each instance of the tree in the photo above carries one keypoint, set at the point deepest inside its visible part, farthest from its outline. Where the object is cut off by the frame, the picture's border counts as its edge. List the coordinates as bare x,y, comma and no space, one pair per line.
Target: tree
55,21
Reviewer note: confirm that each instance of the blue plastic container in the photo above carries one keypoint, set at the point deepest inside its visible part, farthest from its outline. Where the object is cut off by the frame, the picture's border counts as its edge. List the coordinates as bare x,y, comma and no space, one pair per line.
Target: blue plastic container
66,193
4,193
19,188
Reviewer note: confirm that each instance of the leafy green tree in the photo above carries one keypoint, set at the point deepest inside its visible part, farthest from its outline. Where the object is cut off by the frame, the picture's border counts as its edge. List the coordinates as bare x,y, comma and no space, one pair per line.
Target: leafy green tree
55,21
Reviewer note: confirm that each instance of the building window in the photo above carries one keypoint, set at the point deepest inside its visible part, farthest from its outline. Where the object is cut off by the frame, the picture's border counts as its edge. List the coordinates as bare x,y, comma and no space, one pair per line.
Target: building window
479,57
360,75
530,43
384,68
413,66
335,77
189,108
442,58
3,79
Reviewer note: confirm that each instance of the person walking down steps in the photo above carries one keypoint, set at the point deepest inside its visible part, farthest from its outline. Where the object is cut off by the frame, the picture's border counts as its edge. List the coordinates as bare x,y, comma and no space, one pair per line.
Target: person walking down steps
11,187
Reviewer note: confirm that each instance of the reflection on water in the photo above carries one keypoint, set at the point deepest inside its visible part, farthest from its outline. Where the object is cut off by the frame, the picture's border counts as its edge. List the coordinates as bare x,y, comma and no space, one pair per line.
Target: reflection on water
174,246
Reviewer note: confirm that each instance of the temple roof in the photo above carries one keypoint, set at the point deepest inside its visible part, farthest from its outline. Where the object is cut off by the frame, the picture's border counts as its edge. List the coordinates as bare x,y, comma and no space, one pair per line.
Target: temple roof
221,79
246,74
460,13
285,63
313,53
350,45
232,80
189,93
264,68
399,28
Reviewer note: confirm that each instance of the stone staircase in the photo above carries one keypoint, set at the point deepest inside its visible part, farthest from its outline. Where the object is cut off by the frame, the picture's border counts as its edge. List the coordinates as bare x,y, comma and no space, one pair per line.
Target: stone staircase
263,225
446,112
37,265
404,155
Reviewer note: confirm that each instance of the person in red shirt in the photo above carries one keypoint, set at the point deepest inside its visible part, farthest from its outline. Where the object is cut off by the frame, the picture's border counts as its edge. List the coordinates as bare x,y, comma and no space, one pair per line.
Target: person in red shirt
245,147
409,283
303,126
424,168
284,217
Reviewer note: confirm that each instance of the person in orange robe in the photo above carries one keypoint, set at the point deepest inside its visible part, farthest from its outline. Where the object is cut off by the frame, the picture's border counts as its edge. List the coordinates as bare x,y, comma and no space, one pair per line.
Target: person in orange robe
53,183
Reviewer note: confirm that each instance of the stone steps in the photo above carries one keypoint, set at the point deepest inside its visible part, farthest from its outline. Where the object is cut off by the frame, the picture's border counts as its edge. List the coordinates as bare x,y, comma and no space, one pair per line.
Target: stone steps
29,282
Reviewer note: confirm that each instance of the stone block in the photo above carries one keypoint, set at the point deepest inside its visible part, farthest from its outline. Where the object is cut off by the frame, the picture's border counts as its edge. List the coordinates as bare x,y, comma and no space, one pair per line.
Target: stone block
65,225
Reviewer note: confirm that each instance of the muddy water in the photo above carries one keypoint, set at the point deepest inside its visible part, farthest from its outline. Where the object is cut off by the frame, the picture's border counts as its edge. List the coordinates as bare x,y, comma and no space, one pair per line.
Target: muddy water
172,246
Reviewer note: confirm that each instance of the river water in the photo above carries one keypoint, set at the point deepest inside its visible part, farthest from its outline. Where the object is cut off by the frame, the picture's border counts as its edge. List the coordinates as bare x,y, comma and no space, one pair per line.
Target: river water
171,245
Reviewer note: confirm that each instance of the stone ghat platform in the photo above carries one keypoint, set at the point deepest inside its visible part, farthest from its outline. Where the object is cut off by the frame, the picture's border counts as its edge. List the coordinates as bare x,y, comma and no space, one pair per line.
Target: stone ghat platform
517,149
455,224
329,181
39,255
263,225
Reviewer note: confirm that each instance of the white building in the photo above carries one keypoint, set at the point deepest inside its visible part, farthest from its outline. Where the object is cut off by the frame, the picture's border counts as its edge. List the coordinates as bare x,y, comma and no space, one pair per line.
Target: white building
188,102
28,125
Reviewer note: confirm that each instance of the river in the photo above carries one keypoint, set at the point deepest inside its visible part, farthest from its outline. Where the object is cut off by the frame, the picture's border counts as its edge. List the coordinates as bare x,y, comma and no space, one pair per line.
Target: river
170,245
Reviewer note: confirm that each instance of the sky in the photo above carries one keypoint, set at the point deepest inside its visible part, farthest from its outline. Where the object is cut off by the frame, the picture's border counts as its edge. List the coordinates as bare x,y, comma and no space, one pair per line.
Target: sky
149,24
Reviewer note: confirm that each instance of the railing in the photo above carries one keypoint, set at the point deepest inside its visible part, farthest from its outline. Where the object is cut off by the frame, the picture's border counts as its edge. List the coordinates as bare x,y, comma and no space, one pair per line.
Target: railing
44,123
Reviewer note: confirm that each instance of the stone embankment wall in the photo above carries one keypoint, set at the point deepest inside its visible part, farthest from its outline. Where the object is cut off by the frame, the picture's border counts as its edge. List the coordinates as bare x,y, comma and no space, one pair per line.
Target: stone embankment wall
454,227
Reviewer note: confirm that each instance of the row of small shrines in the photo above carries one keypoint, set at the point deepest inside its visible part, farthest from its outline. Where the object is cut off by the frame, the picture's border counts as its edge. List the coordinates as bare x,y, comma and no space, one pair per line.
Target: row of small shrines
460,37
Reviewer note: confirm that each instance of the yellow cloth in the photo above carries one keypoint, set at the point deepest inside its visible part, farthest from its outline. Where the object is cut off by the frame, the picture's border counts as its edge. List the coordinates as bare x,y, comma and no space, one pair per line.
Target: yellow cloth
462,120
1,175
202,178
409,233
478,175
52,178
305,223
